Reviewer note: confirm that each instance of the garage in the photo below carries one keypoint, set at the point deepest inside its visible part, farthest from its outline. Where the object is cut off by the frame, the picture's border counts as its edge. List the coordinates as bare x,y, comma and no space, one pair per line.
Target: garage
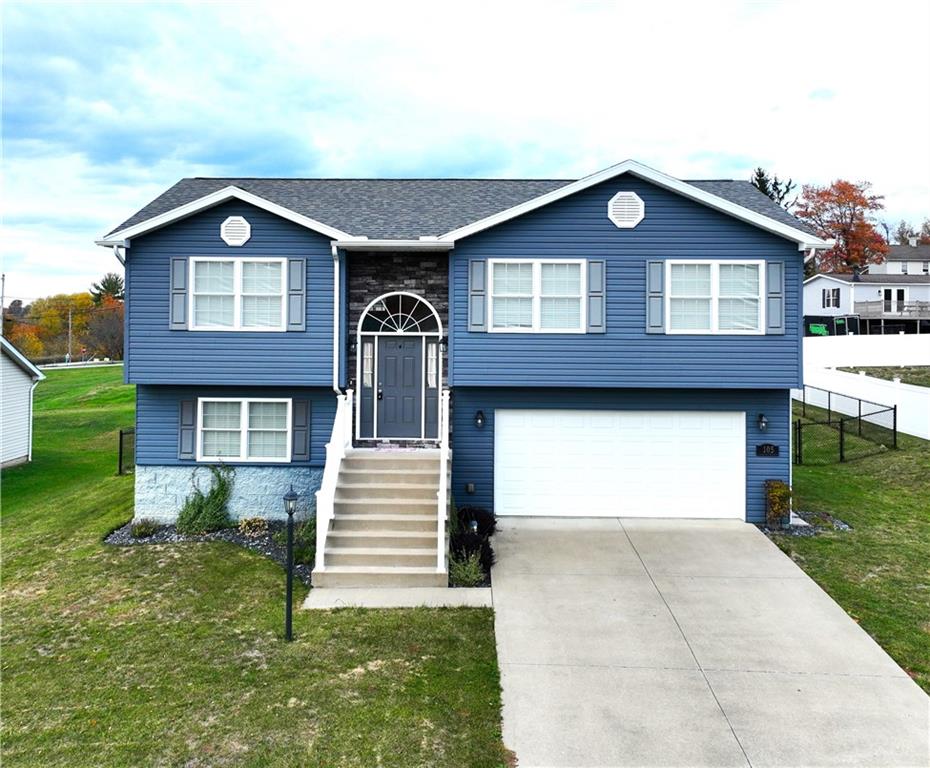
578,463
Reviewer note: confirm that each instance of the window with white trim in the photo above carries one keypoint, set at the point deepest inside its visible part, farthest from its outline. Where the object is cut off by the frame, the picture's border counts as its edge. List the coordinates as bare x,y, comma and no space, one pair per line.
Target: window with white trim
830,297
231,429
925,268
903,267
715,297
537,296
238,294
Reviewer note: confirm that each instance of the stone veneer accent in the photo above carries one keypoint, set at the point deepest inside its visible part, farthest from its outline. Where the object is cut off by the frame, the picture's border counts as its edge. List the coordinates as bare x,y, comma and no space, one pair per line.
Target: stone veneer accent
257,491
371,275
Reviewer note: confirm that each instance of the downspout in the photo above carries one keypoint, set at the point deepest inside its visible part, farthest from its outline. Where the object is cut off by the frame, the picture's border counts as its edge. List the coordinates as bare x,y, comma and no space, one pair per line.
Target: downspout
31,390
336,319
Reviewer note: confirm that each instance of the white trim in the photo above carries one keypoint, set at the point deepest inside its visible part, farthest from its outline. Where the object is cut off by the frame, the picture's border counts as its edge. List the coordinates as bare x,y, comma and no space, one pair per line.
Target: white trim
894,299
362,244
715,265
215,198
337,295
537,296
870,283
21,360
382,297
243,430
830,298
806,240
237,263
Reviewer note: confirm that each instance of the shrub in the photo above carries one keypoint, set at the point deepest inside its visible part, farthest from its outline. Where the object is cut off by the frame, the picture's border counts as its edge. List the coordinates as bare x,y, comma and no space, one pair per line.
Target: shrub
486,520
304,540
204,512
777,503
468,543
253,527
465,570
142,529
455,522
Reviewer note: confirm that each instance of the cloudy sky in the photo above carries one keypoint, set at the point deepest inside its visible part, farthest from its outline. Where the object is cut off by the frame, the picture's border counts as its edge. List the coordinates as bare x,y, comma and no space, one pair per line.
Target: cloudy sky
105,105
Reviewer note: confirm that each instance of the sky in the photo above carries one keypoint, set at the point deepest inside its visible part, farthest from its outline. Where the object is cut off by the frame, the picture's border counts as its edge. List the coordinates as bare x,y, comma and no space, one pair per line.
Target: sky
104,106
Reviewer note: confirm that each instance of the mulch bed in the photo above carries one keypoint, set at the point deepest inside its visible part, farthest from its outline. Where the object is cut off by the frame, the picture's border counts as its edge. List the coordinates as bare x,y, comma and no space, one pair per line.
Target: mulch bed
263,544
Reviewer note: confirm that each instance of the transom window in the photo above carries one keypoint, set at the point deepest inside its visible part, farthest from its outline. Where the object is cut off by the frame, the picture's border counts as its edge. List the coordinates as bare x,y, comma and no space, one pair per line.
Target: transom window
244,430
831,297
237,294
723,297
541,296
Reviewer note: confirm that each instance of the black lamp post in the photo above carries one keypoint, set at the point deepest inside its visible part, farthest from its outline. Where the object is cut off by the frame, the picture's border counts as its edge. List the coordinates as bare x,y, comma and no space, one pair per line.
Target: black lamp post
290,506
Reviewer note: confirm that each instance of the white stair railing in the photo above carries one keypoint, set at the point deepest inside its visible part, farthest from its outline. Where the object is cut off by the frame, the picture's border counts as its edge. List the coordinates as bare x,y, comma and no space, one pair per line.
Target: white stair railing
340,442
442,495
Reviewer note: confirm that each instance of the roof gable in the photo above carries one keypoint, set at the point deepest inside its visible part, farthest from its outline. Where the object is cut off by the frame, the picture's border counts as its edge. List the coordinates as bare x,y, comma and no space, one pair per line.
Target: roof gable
20,359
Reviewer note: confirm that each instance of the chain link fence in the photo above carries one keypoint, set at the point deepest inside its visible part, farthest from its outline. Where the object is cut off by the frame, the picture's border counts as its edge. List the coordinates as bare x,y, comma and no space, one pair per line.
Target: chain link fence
127,451
830,427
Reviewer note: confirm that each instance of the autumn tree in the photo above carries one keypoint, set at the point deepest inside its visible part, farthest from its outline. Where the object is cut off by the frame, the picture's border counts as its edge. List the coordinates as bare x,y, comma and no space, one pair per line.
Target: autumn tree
844,212
50,316
25,338
105,329
775,188
111,285
904,232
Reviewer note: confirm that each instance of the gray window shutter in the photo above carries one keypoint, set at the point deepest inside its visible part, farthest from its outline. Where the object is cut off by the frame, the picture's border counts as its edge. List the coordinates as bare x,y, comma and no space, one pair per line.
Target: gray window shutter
300,440
477,295
655,297
177,319
597,296
296,295
187,429
775,297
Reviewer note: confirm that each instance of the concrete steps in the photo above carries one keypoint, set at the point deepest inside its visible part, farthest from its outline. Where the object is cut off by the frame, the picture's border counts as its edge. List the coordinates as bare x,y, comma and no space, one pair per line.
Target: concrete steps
384,527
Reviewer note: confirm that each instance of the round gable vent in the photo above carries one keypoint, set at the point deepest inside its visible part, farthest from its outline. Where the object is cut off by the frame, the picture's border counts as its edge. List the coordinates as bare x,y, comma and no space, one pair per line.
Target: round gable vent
235,231
626,210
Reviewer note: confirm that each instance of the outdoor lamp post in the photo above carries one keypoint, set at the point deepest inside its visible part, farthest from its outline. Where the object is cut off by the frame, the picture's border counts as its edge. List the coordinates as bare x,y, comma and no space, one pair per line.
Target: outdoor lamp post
290,506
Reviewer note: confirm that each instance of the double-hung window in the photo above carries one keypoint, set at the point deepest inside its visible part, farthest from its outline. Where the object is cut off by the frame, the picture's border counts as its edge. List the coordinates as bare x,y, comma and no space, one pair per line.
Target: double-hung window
244,430
715,297
237,294
830,297
537,296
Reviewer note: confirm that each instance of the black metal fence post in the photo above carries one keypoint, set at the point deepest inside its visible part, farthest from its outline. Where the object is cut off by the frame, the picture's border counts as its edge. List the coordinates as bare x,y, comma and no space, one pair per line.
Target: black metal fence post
804,401
842,440
798,443
119,466
829,408
894,424
860,417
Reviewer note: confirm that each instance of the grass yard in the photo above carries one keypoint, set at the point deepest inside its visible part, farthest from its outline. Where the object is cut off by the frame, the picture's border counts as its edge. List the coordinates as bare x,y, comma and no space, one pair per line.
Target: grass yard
909,374
880,570
173,654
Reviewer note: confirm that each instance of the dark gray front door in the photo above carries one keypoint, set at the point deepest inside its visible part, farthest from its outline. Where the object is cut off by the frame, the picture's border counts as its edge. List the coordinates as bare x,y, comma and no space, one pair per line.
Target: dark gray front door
400,386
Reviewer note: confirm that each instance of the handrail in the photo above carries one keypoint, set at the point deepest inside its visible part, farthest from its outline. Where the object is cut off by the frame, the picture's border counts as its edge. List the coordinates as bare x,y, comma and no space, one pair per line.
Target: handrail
442,495
896,309
340,442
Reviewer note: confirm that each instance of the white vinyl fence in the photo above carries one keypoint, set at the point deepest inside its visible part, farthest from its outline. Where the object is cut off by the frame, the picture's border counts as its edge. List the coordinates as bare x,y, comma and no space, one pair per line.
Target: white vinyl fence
843,351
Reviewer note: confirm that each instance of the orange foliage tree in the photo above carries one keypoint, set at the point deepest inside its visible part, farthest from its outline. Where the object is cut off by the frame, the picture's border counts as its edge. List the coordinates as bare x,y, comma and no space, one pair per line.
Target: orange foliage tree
844,212
26,339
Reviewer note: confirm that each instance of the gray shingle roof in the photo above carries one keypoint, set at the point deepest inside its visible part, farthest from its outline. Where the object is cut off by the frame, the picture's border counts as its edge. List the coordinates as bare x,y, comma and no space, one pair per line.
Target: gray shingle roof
409,208
908,253
847,277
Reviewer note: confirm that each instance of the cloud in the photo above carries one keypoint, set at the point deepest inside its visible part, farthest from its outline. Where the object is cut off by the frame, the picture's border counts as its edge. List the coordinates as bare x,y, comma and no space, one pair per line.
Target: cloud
107,105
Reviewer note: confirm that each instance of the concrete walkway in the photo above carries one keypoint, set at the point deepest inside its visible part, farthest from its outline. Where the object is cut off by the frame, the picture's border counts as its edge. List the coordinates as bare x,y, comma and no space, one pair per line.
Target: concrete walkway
687,643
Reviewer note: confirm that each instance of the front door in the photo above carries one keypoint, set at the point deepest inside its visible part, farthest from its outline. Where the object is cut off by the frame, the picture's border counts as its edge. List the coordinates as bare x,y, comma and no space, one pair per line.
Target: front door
400,386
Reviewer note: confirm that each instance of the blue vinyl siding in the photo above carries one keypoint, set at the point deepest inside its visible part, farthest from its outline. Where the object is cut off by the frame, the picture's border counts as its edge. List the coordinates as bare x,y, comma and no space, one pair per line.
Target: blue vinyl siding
473,448
157,418
157,355
625,356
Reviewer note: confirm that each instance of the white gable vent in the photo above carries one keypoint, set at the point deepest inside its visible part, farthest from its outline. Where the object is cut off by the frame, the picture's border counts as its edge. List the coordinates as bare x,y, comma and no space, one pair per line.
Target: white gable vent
626,209
235,231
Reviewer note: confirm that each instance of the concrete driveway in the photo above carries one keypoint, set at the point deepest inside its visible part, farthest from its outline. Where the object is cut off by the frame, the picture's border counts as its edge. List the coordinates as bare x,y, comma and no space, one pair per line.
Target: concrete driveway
687,643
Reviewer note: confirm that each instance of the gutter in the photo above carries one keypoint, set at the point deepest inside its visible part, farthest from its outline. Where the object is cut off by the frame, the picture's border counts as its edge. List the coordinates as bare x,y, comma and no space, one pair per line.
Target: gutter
31,390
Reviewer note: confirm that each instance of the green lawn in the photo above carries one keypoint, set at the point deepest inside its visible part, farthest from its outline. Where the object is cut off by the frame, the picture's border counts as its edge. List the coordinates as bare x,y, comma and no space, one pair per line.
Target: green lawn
909,374
880,570
173,655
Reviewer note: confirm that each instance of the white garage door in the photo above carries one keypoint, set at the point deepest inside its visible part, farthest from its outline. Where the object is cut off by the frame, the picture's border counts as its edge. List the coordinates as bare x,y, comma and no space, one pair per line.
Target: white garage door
620,463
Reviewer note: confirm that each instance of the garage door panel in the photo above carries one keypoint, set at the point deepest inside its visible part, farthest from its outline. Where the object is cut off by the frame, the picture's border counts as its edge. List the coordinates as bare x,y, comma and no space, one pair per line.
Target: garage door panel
620,463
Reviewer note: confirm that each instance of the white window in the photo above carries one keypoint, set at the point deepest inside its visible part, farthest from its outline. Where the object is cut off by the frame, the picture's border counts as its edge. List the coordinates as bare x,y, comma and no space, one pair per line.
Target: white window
432,364
368,367
237,294
926,268
243,430
539,296
720,297
903,267
830,297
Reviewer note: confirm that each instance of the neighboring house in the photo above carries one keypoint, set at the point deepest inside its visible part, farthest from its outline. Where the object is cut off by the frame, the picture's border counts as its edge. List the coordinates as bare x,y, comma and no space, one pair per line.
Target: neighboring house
881,303
620,345
911,259
18,379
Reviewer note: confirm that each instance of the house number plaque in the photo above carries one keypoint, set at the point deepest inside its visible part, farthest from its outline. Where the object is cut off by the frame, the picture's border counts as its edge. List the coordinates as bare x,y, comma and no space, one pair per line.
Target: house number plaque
767,449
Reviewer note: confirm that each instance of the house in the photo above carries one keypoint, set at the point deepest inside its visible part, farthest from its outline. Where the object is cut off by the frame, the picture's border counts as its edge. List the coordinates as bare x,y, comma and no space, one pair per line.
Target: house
18,379
883,302
910,259
622,344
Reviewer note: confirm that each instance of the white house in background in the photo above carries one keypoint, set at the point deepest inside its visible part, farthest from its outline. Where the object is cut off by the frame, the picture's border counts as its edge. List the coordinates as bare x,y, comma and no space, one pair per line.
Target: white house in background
908,260
18,378
884,303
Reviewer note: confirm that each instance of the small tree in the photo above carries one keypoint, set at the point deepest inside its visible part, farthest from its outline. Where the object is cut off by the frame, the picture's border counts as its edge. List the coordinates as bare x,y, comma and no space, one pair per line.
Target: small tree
105,328
904,232
774,187
110,286
844,212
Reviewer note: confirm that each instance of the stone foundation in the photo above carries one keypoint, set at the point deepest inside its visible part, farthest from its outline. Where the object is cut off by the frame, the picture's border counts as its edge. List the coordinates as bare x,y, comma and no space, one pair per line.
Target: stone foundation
257,491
